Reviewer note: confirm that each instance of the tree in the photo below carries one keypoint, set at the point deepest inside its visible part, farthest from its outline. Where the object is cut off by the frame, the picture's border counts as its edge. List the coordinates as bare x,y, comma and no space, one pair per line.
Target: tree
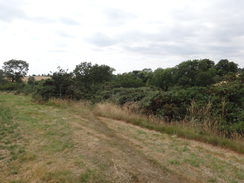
206,64
15,70
186,72
145,75
128,80
163,78
90,78
204,79
62,82
195,73
2,80
224,67
31,80
101,73
89,74
83,74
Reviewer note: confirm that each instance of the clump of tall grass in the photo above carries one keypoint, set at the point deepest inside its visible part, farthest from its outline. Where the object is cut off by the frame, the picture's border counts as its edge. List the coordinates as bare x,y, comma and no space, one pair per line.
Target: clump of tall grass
79,107
116,112
201,117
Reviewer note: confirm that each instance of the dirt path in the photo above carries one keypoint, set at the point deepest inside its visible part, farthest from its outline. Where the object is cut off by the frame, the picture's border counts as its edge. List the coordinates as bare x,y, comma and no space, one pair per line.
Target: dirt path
69,144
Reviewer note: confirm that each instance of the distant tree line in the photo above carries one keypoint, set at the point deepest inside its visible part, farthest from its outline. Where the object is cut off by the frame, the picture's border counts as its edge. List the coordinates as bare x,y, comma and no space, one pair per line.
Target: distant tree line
183,92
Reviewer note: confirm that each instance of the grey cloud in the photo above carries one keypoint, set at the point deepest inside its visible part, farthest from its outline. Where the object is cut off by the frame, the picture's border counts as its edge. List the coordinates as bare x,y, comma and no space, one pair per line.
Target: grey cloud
61,45
212,31
117,17
45,20
42,20
175,40
181,42
101,40
9,11
57,51
68,21
65,34
161,49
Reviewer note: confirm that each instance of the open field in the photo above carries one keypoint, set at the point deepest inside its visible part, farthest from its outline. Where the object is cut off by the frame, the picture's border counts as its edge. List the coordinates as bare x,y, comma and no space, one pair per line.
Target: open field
68,143
37,78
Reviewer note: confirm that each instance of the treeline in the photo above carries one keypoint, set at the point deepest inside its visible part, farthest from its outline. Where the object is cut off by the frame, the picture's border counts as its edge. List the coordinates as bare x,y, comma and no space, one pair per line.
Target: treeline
197,91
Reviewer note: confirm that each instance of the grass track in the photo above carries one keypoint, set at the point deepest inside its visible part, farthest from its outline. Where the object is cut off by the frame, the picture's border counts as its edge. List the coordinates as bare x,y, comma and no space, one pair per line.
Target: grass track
67,143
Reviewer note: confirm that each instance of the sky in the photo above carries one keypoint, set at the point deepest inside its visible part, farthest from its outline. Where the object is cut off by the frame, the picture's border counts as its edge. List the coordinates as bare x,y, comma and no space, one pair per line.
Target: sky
126,35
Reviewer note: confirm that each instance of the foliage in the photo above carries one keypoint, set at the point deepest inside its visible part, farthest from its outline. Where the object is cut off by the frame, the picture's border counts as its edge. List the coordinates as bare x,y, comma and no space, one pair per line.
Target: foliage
44,90
128,80
163,78
89,79
224,67
87,73
62,82
195,73
2,78
122,96
31,80
15,70
194,90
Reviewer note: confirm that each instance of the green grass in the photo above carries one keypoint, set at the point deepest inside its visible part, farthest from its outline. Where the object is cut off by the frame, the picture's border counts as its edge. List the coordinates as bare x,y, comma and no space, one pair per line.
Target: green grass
19,114
91,176
9,135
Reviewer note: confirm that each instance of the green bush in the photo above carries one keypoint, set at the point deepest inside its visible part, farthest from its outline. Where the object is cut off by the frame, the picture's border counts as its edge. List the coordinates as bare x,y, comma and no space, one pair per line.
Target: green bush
44,90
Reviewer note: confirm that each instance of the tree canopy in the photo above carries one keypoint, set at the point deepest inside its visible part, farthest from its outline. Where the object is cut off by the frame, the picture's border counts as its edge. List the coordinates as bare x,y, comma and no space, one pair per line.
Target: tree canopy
15,70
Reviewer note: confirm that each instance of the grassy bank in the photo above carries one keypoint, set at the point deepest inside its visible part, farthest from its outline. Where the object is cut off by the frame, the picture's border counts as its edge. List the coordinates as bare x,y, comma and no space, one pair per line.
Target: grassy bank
36,144
181,130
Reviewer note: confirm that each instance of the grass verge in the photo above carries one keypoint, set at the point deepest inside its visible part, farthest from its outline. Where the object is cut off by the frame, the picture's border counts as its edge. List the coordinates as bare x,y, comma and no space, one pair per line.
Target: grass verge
115,112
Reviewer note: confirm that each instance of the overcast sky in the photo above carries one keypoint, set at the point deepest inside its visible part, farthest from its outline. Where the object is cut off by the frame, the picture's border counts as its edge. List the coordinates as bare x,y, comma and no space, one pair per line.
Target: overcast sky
124,34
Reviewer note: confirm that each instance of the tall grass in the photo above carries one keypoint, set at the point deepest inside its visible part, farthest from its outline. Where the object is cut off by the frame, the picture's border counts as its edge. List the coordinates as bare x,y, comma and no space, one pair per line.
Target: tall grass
201,117
182,129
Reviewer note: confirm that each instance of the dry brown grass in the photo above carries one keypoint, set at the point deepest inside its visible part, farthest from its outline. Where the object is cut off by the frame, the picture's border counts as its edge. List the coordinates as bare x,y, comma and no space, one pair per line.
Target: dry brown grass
200,127
116,112
37,78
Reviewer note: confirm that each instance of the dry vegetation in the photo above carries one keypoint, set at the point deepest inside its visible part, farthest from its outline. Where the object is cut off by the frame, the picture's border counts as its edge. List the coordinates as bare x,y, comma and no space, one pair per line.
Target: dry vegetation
190,129
37,78
64,141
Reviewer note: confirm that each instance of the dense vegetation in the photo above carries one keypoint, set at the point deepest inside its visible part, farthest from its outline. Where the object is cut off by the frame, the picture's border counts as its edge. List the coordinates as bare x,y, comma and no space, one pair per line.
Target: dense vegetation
201,92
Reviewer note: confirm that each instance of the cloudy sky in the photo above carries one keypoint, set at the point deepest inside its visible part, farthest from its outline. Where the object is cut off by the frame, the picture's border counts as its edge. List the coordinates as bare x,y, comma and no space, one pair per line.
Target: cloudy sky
124,34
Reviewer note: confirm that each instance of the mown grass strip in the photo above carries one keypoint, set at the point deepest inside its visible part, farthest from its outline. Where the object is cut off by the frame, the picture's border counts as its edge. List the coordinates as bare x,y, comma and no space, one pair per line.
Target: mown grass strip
11,152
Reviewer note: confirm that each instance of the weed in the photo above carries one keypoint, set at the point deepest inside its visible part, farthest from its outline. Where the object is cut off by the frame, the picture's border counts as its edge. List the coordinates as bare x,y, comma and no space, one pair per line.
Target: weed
212,180
185,149
174,162
91,176
59,176
193,162
15,181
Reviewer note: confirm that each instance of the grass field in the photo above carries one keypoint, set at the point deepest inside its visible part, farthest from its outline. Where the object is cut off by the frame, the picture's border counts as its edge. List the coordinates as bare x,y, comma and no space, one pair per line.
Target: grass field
37,78
68,142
